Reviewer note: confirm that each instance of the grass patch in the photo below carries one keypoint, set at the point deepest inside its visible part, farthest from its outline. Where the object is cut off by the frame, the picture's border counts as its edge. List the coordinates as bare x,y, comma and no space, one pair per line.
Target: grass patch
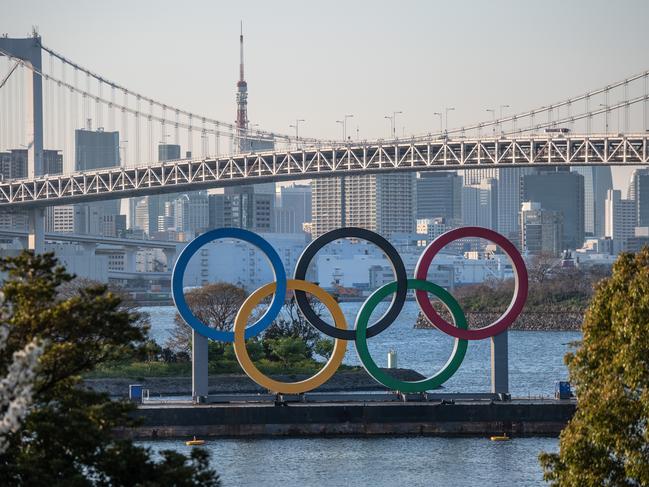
138,370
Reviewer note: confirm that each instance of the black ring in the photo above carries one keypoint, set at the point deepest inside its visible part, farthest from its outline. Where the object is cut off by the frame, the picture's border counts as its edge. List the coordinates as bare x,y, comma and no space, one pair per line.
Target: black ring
398,267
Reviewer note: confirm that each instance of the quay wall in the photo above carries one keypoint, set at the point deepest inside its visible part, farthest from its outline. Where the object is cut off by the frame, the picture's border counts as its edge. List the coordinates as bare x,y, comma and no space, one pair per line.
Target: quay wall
515,418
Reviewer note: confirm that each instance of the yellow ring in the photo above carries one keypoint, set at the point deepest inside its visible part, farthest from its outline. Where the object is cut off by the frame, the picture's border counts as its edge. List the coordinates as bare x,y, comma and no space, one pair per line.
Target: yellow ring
266,382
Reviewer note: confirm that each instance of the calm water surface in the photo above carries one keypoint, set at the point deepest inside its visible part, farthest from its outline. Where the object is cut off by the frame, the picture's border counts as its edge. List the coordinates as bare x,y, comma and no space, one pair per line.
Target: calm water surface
376,462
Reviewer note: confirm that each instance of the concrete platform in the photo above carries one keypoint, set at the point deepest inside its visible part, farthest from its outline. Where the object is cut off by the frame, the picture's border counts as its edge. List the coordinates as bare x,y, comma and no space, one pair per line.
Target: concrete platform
358,418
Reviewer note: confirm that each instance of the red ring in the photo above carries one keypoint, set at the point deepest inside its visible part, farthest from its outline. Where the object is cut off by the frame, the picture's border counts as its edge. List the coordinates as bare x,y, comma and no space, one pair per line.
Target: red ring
520,283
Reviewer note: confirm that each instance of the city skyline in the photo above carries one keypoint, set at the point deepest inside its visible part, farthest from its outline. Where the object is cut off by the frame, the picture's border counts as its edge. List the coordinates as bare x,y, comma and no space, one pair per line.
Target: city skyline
277,101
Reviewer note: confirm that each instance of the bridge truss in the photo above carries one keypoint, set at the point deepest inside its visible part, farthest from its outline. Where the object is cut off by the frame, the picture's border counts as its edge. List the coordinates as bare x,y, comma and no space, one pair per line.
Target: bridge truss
372,158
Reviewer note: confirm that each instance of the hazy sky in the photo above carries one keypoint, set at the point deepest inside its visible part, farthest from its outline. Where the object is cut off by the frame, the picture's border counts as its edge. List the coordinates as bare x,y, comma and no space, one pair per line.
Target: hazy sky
321,60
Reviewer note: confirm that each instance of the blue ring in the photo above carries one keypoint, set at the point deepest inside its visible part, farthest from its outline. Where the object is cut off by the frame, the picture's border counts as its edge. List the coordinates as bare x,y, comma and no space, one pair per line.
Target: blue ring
240,234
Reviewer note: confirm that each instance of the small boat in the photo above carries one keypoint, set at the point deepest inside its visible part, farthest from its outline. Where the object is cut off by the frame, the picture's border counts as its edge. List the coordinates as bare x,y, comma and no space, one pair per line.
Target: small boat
502,437
194,442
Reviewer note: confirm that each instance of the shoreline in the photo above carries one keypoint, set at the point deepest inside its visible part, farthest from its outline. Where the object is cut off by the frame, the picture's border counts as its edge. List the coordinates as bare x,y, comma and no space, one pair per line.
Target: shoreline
353,380
514,418
527,321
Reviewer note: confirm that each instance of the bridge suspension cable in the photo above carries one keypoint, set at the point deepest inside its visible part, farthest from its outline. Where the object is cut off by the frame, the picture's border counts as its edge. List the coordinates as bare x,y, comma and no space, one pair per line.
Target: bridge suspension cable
228,127
515,119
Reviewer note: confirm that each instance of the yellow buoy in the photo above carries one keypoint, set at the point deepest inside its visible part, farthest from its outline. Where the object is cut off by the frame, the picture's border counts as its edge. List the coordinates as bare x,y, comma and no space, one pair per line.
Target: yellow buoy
194,442
503,437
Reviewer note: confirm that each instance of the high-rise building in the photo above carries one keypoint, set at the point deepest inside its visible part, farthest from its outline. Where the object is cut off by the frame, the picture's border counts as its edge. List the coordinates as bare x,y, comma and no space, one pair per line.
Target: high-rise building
60,219
562,191
620,219
243,207
509,200
156,203
439,195
383,203
191,213
327,205
639,192
294,208
475,176
509,195
598,180
13,165
95,149
168,152
480,204
540,229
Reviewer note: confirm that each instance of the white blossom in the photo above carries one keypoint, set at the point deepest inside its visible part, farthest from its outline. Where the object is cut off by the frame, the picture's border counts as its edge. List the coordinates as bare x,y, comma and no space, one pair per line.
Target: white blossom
16,386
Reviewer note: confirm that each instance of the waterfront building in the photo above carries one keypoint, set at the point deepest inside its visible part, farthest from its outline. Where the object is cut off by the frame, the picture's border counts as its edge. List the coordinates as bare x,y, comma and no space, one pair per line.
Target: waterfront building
293,209
13,165
190,213
620,219
597,181
439,195
382,203
95,149
327,195
560,190
541,229
480,204
155,204
251,270
509,200
639,192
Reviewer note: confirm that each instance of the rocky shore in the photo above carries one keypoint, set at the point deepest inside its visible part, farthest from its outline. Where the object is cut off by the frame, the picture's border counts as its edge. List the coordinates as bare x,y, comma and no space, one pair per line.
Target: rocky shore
529,321
356,380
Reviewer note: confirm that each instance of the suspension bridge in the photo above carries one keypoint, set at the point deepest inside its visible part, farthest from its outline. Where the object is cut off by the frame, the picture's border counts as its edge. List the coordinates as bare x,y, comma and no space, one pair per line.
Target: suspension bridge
45,97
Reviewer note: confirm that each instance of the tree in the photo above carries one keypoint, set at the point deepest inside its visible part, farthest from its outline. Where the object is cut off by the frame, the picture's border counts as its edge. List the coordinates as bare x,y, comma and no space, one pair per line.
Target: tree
292,324
542,266
216,305
607,440
288,350
67,437
324,348
16,386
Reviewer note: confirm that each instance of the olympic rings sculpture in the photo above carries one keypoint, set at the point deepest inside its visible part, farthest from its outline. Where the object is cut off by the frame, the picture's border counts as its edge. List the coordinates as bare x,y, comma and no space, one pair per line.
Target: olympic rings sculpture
340,332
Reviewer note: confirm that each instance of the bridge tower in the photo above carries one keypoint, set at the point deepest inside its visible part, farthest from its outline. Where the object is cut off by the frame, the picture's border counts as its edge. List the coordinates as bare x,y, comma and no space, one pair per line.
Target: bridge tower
29,51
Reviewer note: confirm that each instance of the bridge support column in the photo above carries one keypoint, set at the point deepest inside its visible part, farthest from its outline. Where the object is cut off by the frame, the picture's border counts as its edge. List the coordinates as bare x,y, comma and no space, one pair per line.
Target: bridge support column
170,256
36,232
129,259
500,364
199,366
89,254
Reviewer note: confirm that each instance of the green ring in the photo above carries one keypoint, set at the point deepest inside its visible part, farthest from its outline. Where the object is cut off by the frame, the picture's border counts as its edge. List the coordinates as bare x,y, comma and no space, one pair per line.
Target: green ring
455,360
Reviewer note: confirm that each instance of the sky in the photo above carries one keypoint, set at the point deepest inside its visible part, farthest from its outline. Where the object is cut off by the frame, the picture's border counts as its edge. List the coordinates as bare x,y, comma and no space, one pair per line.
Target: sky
319,61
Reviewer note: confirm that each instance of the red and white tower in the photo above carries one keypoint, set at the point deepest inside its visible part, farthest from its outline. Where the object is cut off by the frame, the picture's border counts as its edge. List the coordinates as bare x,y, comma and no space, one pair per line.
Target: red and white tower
242,99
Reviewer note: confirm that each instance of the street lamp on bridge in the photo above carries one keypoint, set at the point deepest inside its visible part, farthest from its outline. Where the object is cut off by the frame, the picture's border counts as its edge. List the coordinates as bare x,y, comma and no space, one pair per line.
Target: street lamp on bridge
393,124
493,118
345,125
448,109
501,116
297,127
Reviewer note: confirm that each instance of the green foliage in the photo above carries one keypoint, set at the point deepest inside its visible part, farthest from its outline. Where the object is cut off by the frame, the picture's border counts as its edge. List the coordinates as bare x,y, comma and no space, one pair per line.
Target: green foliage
324,348
288,350
291,324
67,438
607,441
